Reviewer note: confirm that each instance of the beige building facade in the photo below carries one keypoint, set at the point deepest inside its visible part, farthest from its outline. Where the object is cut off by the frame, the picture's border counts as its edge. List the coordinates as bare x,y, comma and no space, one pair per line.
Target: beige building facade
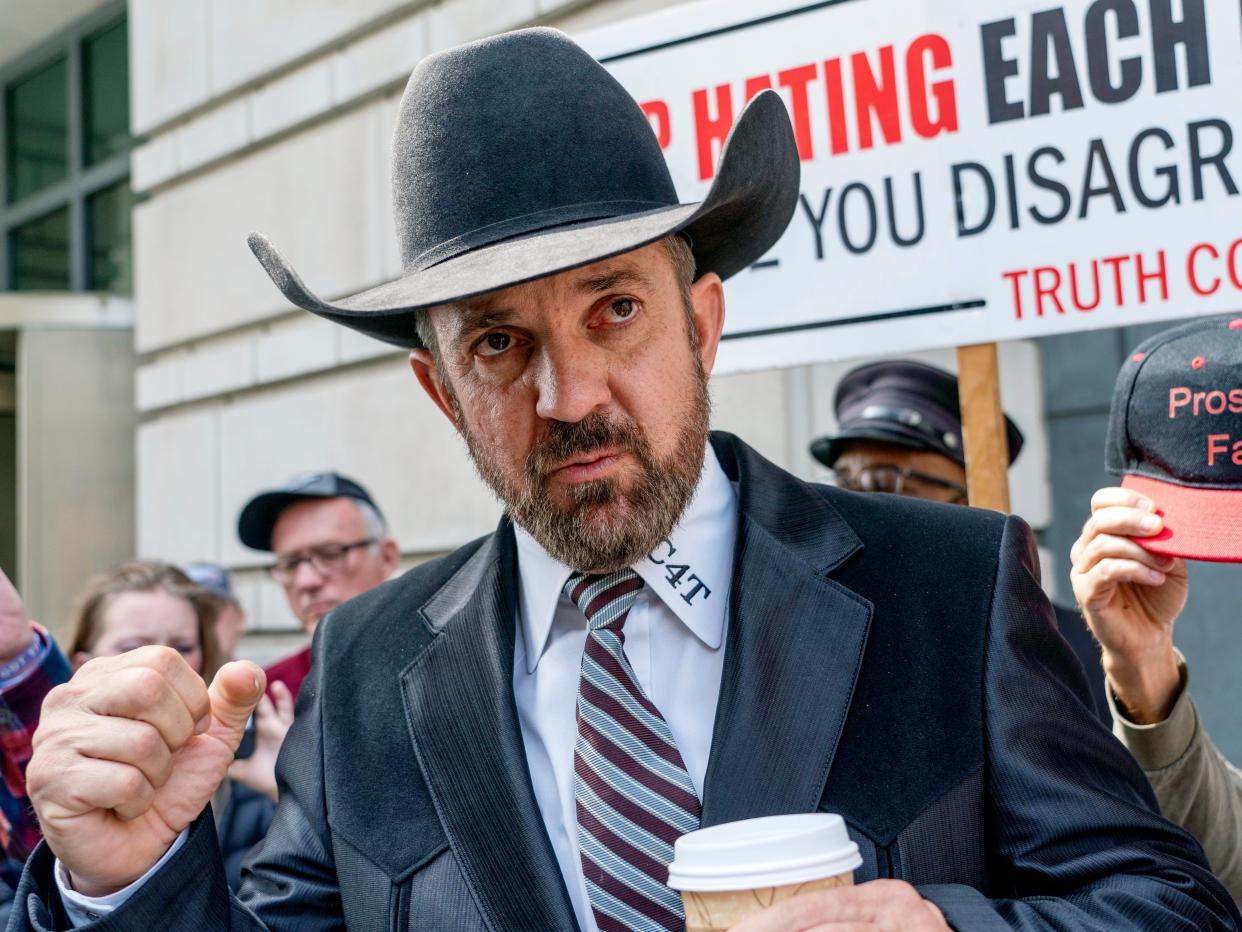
67,461
67,413
277,116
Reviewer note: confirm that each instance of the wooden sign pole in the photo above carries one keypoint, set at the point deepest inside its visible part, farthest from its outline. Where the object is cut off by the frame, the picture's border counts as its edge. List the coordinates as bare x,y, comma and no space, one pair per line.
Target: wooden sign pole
983,427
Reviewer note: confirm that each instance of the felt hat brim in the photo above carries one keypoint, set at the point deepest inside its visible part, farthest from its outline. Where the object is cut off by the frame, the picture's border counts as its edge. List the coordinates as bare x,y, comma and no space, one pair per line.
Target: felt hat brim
829,449
258,518
746,210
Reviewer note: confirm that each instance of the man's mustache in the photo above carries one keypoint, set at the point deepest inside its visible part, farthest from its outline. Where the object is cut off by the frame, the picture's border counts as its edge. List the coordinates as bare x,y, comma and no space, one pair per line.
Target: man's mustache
565,440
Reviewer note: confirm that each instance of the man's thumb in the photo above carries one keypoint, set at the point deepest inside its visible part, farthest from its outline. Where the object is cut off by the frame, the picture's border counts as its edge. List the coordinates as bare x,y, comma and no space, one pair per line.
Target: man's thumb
234,693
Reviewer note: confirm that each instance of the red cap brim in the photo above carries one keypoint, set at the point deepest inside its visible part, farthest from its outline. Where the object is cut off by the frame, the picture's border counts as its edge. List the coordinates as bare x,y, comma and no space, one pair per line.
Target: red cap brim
1199,524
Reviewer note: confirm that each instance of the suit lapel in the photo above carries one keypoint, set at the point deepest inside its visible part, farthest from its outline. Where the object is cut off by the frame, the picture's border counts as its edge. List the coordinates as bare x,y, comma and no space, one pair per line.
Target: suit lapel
464,727
795,643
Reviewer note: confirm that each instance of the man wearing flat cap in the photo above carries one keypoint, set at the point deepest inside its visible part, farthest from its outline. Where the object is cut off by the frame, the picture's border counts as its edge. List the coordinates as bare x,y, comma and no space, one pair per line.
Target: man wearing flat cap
665,631
900,431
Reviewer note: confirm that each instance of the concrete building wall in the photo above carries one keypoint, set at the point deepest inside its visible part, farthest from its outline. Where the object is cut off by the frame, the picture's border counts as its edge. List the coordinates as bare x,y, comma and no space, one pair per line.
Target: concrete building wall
8,453
236,391
8,481
278,117
75,463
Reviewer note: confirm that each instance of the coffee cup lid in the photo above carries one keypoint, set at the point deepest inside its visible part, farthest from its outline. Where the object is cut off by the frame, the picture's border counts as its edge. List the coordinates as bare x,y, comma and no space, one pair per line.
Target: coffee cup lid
767,852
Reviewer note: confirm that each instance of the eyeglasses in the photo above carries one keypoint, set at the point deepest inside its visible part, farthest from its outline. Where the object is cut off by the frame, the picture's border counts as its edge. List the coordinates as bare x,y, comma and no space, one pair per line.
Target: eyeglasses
326,560
889,478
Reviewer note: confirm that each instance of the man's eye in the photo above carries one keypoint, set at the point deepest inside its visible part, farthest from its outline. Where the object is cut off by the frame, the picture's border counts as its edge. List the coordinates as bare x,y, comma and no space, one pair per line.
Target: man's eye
622,308
494,344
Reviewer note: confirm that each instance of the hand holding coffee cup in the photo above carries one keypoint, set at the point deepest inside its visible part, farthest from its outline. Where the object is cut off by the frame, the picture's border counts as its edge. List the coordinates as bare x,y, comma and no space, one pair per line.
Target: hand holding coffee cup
785,873
729,872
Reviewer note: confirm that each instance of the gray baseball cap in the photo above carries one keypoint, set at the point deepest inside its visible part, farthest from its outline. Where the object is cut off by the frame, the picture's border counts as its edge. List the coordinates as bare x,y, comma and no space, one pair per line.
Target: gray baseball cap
212,577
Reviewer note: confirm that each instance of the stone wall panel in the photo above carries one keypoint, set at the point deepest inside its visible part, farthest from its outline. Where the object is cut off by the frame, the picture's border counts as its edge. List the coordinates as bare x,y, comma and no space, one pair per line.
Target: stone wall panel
317,194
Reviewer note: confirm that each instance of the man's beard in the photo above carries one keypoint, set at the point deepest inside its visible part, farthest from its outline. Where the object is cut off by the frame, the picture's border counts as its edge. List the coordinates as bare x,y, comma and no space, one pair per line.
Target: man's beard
605,527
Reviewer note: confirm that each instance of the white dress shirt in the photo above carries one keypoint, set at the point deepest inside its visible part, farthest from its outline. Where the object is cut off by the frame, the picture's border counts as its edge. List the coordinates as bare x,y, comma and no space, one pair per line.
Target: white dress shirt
674,641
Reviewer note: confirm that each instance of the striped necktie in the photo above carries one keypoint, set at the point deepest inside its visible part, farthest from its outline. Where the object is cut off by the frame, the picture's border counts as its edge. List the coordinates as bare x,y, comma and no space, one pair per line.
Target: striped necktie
632,793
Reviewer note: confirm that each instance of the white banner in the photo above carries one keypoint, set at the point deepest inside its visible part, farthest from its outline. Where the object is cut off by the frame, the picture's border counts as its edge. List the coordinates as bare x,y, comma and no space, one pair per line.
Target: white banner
972,170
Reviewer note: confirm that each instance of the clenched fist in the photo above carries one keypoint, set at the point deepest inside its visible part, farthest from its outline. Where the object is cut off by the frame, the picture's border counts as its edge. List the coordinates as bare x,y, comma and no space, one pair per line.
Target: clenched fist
127,754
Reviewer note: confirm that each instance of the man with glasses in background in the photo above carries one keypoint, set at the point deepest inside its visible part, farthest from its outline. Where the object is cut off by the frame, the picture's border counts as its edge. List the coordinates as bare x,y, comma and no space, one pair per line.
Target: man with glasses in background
900,431
331,543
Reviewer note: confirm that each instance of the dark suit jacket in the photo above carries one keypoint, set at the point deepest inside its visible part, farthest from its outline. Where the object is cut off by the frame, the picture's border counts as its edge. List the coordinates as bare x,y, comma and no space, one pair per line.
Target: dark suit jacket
1073,628
887,659
242,825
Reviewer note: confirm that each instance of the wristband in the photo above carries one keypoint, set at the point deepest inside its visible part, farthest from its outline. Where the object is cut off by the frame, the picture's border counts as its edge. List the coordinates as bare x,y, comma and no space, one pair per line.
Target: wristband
16,669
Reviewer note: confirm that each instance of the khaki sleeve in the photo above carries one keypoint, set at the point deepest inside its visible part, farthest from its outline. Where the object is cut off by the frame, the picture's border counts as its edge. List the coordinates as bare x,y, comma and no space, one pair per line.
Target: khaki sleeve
1196,787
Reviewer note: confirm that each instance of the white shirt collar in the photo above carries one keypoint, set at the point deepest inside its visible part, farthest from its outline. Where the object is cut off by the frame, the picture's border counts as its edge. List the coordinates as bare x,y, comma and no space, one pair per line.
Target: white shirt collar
690,572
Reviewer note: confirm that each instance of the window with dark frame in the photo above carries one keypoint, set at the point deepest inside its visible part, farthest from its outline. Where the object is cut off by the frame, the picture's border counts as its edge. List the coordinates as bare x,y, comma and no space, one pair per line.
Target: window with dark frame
65,199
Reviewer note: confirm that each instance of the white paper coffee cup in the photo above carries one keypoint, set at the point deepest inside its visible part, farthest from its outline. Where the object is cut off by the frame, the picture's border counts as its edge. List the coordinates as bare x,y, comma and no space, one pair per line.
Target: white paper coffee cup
728,872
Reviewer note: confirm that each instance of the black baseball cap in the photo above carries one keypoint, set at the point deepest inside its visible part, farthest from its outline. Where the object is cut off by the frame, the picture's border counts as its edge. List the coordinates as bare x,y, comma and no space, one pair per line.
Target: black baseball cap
1175,434
258,517
904,402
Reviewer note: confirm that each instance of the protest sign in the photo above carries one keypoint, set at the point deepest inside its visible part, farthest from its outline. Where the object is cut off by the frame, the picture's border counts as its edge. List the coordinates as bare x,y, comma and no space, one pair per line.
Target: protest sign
973,170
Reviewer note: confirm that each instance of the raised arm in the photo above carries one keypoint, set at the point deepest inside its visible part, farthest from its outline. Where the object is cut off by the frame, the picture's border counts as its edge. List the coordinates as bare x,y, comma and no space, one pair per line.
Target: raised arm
127,755
1131,599
289,882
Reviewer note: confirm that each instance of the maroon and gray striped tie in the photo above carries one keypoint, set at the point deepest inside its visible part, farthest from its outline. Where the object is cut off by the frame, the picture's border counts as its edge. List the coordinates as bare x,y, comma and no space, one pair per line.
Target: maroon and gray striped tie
632,792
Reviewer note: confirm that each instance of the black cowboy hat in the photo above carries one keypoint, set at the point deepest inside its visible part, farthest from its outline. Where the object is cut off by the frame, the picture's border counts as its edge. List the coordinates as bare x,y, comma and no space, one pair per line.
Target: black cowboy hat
520,156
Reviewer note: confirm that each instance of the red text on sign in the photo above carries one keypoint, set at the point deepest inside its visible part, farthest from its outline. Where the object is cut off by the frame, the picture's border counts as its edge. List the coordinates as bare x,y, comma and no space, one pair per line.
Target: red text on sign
930,105
1204,268
658,116
1083,286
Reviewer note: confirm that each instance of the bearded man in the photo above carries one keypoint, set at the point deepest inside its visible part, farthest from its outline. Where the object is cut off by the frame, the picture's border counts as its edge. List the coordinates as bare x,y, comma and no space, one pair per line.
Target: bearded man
665,631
